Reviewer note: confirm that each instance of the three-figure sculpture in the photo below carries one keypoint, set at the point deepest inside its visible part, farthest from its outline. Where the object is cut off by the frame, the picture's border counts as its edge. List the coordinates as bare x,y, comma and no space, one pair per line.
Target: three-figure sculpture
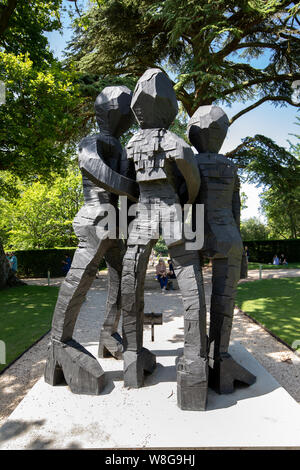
162,172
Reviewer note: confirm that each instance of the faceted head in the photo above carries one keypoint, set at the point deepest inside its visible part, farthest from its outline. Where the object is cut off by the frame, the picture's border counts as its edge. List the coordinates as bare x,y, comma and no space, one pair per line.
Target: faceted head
154,101
113,112
207,129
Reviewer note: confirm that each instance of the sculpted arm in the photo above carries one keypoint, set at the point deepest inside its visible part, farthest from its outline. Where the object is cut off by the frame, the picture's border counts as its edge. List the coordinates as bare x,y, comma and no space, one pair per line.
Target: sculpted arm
92,166
186,162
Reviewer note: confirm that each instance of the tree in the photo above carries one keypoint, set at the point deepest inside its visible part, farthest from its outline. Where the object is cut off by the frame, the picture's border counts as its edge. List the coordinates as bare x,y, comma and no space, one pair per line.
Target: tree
254,229
160,247
282,212
42,216
244,199
209,47
38,123
277,170
23,24
40,120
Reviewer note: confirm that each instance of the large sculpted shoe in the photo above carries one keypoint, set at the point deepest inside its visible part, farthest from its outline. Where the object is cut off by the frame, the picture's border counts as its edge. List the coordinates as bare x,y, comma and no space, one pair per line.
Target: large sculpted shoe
192,382
110,345
135,365
79,368
225,371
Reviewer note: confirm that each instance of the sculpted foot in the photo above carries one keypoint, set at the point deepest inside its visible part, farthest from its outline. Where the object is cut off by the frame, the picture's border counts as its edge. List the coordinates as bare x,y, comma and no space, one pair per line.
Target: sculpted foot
135,365
225,372
110,345
192,381
79,368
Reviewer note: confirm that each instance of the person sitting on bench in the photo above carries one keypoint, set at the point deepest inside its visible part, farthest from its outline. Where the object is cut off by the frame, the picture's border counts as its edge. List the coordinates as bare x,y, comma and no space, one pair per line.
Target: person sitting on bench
161,274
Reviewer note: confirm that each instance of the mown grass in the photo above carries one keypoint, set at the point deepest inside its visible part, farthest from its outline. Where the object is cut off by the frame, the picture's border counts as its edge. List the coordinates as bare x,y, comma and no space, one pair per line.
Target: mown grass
25,315
271,266
275,303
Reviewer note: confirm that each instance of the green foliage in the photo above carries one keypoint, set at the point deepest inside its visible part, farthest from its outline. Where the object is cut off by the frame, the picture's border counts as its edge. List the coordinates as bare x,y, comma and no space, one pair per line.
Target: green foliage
254,229
160,247
210,46
275,304
244,199
26,25
38,123
42,216
282,210
25,316
277,170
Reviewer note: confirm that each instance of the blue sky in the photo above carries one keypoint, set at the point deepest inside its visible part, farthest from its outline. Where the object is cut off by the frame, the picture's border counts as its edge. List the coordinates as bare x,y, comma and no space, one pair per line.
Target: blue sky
278,123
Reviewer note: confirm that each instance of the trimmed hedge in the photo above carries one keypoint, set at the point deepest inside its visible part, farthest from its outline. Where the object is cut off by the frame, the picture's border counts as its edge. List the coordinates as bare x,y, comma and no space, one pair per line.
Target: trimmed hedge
262,251
36,263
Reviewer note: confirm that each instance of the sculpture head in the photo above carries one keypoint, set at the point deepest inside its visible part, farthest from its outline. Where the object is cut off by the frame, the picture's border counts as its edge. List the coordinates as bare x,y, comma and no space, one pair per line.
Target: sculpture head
154,101
113,112
207,129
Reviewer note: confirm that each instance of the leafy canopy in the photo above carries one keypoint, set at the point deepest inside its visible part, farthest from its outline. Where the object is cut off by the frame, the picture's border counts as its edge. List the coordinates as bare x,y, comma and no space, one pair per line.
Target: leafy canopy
39,125
254,229
23,24
277,171
210,46
42,216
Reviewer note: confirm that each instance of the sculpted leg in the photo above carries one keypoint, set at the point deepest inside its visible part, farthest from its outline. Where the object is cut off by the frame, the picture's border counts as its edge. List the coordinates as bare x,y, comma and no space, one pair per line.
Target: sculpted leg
67,358
137,359
110,343
192,367
224,370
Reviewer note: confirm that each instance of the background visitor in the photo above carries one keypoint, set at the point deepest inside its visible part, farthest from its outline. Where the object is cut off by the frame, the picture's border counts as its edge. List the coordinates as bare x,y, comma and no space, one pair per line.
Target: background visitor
161,274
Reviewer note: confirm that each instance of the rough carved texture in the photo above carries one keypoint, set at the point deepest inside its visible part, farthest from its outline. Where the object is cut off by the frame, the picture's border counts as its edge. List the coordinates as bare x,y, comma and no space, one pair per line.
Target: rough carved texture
154,94
103,153
163,162
207,128
219,193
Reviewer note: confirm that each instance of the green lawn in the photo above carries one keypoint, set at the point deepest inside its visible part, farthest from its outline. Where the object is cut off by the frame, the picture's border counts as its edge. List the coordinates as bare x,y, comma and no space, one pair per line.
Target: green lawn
25,315
271,266
275,303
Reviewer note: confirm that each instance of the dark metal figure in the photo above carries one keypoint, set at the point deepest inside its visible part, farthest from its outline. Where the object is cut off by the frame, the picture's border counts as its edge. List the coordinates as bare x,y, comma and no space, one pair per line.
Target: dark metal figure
101,165
157,155
219,192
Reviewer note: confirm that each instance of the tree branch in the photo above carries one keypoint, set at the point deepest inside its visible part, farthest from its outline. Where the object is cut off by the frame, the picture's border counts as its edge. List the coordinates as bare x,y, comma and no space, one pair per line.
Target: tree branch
232,153
6,14
244,45
76,7
270,78
259,102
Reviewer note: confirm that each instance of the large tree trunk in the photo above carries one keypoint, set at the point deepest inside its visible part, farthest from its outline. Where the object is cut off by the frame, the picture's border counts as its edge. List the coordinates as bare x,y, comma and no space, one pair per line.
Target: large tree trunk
7,277
5,14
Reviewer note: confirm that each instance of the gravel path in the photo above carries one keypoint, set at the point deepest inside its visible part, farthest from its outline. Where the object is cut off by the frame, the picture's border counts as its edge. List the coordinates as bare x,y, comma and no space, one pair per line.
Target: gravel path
280,361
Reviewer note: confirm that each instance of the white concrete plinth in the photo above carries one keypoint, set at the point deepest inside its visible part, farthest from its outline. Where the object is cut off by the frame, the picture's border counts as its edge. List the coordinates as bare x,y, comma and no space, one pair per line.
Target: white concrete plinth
263,415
